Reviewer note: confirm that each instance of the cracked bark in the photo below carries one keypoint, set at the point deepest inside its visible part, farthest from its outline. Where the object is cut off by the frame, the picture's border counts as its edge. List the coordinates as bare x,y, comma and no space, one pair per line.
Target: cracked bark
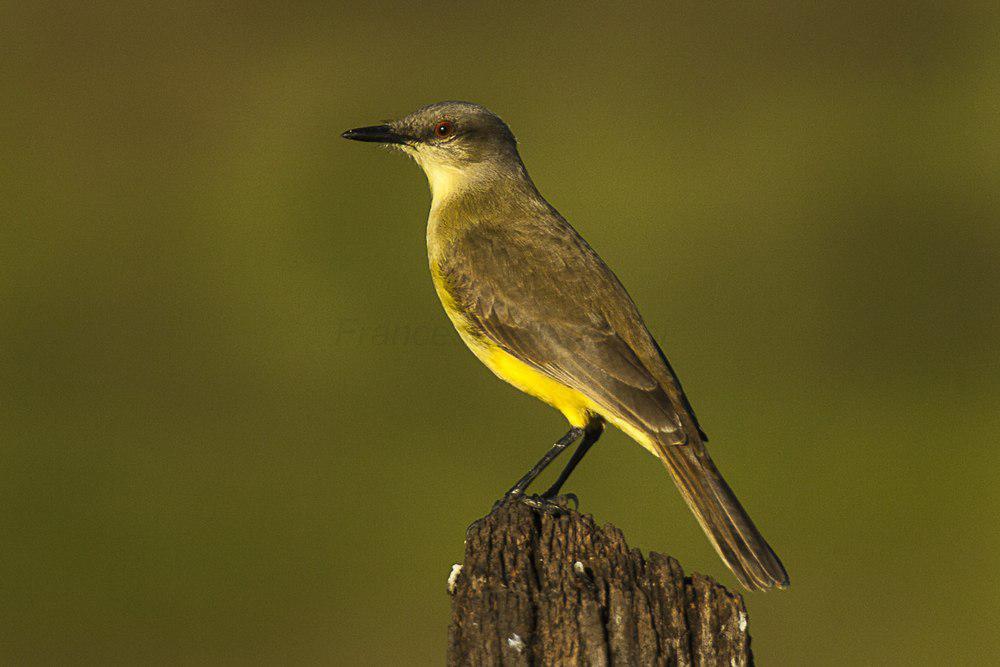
541,590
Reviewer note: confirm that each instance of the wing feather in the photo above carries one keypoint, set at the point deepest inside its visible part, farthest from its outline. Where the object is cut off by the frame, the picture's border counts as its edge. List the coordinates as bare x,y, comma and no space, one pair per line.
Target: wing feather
546,301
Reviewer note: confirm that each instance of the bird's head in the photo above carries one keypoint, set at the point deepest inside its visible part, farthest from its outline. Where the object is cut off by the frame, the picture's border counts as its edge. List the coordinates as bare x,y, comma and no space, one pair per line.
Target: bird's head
454,142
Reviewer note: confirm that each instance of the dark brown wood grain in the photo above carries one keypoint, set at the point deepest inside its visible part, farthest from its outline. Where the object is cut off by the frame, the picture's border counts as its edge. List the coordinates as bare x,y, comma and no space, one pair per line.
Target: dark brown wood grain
537,589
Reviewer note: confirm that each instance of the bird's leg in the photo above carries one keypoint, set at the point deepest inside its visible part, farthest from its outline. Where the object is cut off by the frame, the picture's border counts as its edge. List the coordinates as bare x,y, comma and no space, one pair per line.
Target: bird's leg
591,435
554,451
543,504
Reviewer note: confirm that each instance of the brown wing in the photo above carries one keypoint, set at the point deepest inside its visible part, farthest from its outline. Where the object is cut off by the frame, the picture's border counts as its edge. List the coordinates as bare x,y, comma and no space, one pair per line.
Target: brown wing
543,295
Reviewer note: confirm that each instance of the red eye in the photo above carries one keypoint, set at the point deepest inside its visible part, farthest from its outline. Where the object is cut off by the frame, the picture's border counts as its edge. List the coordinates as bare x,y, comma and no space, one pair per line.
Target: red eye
443,129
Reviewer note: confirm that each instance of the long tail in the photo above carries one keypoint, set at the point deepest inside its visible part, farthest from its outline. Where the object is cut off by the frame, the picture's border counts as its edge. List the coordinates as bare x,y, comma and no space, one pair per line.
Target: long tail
722,517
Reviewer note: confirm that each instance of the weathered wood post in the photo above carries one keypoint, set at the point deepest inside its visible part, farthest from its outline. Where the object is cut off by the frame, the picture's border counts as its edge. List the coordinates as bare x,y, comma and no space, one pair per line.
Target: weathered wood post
538,589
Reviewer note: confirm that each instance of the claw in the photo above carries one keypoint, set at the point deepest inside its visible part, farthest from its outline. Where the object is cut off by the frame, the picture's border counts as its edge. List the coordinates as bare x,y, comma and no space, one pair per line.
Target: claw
551,506
565,499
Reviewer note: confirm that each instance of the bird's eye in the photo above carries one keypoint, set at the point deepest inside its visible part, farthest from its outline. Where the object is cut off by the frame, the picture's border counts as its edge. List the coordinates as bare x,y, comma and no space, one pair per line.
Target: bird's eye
443,129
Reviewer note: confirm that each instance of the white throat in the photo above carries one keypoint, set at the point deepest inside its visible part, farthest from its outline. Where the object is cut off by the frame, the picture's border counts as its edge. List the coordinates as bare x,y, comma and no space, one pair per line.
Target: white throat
445,180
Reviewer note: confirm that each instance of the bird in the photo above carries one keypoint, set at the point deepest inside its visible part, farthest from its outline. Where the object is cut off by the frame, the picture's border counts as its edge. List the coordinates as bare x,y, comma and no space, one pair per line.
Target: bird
540,308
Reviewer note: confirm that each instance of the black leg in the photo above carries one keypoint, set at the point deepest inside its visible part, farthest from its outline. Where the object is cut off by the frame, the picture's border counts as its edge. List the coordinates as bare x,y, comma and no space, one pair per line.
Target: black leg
590,436
543,462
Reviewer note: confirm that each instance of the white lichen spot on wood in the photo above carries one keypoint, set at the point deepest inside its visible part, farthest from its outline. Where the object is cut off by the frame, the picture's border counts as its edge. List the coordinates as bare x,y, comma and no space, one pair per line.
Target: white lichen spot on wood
515,642
453,577
743,622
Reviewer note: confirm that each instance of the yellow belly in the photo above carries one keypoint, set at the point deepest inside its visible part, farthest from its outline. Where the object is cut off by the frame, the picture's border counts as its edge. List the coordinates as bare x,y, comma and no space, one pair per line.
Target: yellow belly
576,406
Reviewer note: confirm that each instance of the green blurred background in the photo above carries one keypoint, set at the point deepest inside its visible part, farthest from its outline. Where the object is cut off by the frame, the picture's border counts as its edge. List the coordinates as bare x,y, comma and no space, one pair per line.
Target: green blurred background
236,426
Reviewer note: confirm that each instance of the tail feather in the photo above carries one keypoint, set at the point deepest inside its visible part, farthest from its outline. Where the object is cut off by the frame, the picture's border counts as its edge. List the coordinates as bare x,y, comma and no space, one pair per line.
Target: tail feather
723,519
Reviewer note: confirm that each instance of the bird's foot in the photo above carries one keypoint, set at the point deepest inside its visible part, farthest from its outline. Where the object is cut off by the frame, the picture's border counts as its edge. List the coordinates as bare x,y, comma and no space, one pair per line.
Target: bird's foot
551,505
566,499
554,505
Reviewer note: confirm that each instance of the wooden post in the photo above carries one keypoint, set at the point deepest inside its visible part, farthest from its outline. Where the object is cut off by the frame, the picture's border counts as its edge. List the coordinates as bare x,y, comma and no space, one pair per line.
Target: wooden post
538,589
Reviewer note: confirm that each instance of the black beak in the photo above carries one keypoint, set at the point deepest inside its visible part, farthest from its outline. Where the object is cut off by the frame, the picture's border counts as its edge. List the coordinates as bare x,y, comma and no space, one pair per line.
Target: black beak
381,134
